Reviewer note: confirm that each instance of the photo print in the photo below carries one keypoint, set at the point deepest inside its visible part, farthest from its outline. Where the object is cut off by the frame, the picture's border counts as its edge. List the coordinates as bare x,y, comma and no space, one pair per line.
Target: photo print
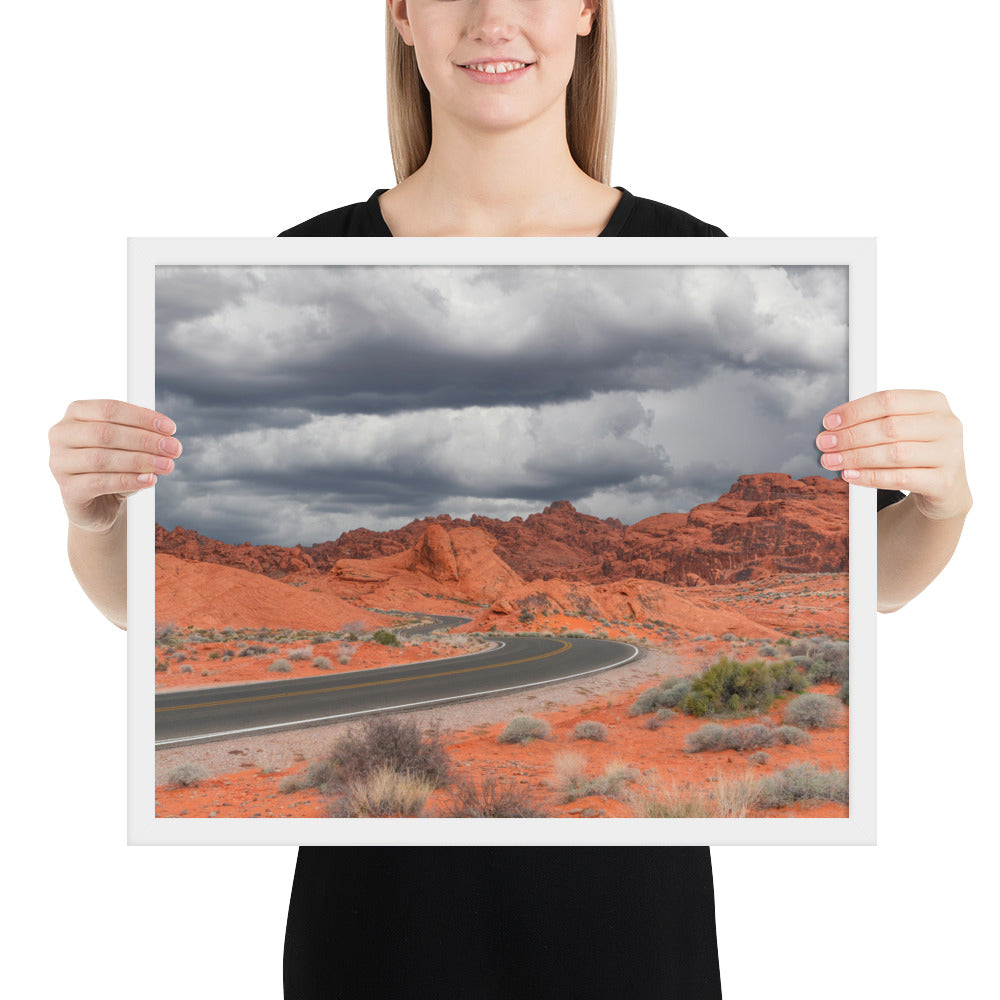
486,541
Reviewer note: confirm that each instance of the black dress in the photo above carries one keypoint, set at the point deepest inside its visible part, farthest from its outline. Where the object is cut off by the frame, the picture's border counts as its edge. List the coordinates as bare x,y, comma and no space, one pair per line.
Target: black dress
500,923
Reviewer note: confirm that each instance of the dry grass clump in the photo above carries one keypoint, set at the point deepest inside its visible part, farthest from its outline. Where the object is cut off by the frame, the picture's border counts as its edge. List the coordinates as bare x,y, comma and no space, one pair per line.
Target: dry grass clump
571,782
303,653
280,666
732,798
322,663
729,798
345,651
384,791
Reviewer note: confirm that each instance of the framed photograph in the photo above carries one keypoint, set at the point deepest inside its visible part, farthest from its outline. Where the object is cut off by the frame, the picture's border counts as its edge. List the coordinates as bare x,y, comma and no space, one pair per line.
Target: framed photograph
501,541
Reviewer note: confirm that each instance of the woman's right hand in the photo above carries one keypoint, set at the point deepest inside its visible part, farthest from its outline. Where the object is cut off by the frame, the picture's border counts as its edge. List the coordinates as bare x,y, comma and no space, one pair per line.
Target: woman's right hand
104,450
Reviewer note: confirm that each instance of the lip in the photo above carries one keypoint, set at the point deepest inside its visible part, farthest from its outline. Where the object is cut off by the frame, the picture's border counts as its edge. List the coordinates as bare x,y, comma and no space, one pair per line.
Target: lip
481,77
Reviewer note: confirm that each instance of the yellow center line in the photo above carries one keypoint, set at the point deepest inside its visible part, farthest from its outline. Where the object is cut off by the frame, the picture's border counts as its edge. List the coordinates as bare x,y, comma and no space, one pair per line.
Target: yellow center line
362,684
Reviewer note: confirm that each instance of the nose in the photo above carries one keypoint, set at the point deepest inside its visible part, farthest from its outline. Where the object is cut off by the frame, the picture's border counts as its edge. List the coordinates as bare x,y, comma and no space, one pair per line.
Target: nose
491,21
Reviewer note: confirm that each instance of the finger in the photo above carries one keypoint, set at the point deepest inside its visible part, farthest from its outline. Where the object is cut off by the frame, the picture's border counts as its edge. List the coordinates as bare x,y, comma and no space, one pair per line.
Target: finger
82,489
918,427
923,481
116,411
101,434
78,461
899,455
886,403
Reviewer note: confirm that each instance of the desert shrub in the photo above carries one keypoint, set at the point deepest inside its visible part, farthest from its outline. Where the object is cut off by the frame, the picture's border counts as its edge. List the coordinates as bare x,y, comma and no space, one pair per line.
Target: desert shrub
591,730
319,775
214,655
792,736
492,798
788,677
323,663
186,774
392,742
522,728
709,737
280,666
667,694
385,638
384,791
834,651
352,630
571,781
759,757
730,687
345,652
842,693
648,701
254,649
729,637
304,653
227,656
813,711
800,782
801,647
186,668
767,650
161,666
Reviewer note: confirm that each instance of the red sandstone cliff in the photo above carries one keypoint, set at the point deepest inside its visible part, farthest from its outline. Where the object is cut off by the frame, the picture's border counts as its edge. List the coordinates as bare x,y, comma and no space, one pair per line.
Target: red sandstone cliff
766,523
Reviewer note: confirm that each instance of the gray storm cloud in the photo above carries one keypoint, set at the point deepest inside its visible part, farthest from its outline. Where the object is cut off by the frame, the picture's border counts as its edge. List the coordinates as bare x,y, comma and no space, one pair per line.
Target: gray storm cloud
312,400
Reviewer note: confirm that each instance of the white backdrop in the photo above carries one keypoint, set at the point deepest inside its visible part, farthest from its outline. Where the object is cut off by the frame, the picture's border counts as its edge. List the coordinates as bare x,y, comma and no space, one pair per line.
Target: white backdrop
224,119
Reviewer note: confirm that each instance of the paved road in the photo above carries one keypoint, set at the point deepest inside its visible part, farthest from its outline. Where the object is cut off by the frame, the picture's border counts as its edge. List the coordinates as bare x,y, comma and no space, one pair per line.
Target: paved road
184,717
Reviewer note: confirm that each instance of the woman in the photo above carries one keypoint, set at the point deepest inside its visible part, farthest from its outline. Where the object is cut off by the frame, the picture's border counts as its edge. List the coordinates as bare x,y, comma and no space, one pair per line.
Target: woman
501,119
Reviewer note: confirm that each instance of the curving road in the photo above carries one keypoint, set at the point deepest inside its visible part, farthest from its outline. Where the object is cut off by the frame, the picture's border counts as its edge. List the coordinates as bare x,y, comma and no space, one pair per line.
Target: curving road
522,662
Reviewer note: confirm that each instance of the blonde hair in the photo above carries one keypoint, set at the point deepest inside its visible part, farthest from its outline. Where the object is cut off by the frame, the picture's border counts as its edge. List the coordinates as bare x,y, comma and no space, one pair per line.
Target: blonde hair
590,100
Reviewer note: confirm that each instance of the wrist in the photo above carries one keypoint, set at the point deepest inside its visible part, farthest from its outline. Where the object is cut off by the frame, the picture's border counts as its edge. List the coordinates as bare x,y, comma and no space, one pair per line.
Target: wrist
951,508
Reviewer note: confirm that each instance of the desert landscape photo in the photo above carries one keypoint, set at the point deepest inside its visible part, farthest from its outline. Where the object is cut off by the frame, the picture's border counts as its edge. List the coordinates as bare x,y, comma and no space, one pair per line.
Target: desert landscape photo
500,542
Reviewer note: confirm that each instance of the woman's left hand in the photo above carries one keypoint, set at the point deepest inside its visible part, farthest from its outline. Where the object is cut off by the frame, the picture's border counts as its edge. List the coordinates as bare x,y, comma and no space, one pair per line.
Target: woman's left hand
901,439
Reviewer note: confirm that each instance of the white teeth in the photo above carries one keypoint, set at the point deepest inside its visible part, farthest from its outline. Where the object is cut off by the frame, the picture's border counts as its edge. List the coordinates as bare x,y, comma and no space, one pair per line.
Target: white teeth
496,67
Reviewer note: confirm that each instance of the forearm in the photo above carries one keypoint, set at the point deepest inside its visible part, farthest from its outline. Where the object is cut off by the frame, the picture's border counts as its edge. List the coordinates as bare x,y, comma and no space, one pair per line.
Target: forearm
912,549
99,563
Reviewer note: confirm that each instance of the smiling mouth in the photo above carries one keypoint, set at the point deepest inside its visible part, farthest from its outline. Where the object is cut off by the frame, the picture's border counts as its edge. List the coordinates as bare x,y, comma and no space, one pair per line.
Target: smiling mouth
495,68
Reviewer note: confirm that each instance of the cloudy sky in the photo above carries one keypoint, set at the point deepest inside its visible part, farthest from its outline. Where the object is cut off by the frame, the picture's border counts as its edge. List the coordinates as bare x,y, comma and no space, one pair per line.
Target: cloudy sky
313,400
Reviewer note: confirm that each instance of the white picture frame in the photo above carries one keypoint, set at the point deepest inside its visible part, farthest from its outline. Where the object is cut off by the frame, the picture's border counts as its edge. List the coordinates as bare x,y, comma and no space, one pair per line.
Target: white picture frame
145,827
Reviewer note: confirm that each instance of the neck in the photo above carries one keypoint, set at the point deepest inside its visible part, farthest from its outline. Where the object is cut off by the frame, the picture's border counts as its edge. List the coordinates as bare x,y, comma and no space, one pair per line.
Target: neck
495,183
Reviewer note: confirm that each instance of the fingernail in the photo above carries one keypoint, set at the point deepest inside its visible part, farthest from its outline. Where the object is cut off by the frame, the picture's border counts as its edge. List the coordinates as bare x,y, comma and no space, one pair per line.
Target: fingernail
170,446
832,421
828,440
851,474
832,461
165,426
163,464
147,478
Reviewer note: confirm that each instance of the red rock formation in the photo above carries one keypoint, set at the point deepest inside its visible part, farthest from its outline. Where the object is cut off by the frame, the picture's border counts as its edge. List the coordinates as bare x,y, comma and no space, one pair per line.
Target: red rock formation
766,523
459,564
203,595
270,560
625,600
